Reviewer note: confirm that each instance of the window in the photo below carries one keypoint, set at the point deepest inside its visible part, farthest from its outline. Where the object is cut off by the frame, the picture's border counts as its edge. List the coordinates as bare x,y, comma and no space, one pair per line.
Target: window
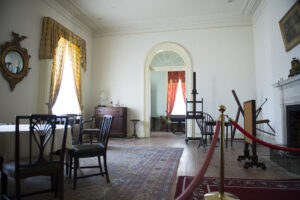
67,101
179,105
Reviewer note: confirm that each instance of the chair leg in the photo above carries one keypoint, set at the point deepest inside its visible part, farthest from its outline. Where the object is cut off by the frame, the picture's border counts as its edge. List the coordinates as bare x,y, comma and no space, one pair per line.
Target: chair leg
76,163
200,142
100,166
18,188
71,166
105,167
4,183
61,185
54,184
67,167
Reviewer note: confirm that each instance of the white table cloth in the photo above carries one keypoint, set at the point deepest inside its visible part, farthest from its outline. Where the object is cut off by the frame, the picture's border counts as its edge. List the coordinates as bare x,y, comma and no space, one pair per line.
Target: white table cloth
7,140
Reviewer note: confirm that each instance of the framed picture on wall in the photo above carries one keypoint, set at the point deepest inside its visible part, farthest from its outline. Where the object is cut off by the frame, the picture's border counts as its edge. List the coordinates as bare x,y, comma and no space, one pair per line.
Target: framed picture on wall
290,27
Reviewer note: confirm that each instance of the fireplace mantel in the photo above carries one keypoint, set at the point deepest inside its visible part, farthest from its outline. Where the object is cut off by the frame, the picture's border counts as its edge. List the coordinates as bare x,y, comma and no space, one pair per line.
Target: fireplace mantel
290,95
290,90
287,82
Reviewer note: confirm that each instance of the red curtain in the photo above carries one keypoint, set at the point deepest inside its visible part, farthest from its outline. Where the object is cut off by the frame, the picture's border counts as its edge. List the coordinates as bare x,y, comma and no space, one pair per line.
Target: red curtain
182,78
173,79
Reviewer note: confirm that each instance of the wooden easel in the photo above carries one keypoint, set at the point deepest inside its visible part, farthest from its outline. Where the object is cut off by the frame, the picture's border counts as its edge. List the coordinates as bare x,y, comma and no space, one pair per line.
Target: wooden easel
250,127
257,112
194,114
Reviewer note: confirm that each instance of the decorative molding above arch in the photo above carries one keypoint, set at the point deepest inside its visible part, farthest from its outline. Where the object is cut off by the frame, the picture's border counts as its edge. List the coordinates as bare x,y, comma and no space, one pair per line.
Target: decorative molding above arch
167,58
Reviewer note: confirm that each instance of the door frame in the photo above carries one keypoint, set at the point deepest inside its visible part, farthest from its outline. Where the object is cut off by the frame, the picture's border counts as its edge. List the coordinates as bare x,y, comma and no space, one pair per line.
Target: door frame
181,51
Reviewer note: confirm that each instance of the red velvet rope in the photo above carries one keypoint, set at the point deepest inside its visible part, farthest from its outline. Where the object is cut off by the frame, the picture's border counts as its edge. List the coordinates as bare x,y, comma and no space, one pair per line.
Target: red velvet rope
192,186
295,150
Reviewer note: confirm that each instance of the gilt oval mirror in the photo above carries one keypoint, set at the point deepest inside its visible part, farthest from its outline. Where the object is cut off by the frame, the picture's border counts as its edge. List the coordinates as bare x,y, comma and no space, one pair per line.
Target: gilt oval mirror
14,61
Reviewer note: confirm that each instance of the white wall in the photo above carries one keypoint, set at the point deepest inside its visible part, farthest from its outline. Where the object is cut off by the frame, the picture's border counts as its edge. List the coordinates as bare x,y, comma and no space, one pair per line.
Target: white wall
25,18
222,57
272,62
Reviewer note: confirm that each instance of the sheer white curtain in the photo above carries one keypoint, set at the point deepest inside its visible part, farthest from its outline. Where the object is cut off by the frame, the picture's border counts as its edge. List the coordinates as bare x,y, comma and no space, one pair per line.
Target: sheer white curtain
179,105
67,101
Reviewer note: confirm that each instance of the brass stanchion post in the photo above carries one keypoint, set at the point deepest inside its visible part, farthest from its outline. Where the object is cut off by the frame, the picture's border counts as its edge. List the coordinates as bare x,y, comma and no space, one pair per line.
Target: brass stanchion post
221,194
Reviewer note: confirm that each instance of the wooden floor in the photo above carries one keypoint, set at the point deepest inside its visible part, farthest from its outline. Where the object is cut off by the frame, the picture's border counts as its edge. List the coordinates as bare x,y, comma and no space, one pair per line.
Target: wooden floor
193,158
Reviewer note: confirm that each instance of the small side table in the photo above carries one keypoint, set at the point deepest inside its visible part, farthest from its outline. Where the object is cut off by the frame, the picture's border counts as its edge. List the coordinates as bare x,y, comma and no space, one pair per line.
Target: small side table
134,121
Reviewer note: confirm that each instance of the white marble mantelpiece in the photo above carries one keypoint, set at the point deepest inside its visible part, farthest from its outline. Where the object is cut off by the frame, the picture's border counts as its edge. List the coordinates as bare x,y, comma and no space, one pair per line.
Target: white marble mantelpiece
290,95
290,89
287,82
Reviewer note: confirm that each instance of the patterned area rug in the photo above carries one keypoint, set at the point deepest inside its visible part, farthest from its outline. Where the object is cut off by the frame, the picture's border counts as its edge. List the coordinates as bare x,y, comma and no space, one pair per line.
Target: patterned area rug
245,189
136,172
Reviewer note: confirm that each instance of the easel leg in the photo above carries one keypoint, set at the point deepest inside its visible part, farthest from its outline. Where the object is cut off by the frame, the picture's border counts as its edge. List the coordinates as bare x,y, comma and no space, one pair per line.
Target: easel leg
254,159
246,153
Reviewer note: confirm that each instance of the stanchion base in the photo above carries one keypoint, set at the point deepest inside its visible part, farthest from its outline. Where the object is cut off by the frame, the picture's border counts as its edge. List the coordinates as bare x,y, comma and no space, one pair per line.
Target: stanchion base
217,196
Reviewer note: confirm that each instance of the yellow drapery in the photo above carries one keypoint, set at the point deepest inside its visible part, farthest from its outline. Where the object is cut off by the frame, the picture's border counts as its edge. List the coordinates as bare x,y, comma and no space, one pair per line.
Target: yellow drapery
74,54
53,44
52,31
57,72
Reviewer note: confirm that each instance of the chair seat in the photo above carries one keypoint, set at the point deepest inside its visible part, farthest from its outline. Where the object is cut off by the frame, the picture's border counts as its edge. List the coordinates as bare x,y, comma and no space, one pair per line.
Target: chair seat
91,130
87,150
9,168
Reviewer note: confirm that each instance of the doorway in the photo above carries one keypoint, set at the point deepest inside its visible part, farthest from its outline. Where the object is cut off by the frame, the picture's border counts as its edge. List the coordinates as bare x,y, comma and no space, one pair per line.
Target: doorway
167,98
164,57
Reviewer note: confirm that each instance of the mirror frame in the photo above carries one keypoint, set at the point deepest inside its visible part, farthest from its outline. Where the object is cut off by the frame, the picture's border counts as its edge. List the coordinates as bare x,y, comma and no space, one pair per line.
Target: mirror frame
14,78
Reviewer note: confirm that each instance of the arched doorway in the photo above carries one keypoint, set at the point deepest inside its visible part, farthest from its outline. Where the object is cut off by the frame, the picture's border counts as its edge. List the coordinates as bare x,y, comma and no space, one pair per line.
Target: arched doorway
185,65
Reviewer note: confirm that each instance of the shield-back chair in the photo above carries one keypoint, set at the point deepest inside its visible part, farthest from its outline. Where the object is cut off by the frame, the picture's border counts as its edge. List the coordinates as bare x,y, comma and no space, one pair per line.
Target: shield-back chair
40,159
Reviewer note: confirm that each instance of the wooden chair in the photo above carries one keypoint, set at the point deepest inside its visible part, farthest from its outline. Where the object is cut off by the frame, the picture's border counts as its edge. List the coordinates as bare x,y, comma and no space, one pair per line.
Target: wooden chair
92,150
90,128
42,134
72,121
163,123
206,125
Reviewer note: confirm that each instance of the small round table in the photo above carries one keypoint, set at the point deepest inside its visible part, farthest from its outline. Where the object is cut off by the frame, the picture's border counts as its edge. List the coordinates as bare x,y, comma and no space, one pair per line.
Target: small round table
134,121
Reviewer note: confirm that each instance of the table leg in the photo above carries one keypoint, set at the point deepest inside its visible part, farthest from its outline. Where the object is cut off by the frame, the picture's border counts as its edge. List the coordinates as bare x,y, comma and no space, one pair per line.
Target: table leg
134,130
153,123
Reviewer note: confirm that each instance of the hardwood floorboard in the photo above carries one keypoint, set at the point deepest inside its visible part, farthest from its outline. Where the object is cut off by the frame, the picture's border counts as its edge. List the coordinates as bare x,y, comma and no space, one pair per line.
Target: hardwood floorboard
193,158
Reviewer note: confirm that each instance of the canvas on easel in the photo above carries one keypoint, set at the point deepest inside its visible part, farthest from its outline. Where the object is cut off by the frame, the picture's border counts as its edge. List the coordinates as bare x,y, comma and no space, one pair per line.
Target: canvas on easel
249,119
250,127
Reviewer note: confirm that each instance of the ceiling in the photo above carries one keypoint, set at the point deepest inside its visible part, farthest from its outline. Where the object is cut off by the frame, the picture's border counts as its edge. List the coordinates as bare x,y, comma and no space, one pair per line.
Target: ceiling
105,17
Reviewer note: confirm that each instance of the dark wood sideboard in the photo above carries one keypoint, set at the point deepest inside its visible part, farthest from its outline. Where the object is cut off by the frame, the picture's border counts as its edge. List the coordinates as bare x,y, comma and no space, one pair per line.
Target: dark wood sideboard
119,124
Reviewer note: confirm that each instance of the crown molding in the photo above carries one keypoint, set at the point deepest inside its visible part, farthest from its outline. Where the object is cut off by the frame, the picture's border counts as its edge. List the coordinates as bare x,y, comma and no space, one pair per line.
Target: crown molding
258,11
57,6
249,7
76,13
174,24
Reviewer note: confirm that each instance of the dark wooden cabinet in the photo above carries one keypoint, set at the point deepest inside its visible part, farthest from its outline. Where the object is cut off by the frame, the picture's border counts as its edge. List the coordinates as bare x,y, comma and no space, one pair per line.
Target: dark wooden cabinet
119,124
